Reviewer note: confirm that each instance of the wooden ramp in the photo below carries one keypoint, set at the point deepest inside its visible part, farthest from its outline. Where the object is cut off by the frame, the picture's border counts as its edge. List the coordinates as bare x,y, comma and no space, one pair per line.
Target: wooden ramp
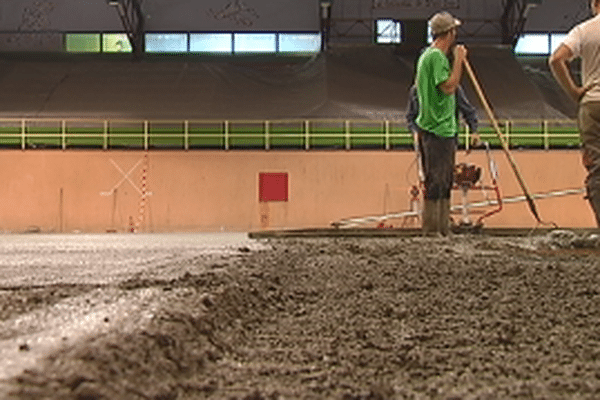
348,82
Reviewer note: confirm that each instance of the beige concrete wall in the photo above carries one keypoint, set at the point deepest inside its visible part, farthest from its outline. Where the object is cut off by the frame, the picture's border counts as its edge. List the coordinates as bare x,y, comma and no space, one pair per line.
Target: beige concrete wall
95,191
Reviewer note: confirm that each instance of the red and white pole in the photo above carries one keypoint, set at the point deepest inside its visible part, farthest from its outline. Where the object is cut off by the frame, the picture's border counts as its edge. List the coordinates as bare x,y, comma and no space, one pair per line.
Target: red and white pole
144,190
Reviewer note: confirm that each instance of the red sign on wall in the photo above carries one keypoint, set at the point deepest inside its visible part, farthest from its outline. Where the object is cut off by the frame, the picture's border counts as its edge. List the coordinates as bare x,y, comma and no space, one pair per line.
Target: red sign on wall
273,186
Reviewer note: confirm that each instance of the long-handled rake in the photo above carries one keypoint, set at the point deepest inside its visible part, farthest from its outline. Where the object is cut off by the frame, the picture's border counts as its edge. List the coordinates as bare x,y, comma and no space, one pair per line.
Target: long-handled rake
503,142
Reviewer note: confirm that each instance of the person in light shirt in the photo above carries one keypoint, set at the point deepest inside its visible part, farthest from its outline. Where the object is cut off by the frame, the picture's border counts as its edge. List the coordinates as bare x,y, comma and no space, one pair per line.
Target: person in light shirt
583,42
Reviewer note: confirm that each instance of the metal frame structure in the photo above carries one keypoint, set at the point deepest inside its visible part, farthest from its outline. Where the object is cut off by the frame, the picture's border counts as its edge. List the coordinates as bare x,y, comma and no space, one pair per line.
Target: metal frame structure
364,28
514,17
132,18
506,29
378,219
307,134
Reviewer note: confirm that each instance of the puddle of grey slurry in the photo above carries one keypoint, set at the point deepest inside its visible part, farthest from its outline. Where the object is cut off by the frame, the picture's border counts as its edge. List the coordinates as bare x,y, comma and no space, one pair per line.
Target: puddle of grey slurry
32,260
39,260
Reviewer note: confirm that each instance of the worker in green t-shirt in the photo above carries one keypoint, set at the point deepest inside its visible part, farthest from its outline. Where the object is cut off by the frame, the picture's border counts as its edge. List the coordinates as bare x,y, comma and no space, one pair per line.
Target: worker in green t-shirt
436,82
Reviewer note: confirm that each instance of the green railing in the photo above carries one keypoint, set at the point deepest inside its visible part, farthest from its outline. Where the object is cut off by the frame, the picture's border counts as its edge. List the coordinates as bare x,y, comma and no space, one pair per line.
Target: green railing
272,134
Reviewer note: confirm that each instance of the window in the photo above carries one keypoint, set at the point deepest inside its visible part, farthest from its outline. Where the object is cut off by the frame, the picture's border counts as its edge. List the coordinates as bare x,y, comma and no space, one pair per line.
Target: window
115,43
211,42
82,42
533,43
299,42
166,42
388,31
555,40
218,43
254,42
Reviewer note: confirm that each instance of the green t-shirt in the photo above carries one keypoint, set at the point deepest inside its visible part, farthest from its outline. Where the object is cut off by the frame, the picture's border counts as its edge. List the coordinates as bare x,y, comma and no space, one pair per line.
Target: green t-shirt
437,110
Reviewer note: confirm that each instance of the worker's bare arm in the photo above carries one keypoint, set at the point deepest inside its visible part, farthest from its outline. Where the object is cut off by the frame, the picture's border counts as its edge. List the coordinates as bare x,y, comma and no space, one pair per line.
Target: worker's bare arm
559,63
450,85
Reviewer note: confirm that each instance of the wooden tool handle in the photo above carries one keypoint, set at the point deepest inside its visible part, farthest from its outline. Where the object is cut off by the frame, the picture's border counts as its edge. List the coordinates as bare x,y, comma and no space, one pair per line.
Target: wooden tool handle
503,141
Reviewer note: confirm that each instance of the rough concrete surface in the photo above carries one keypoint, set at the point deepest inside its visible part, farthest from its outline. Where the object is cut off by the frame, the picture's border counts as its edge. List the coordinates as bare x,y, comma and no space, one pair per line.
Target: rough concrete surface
465,317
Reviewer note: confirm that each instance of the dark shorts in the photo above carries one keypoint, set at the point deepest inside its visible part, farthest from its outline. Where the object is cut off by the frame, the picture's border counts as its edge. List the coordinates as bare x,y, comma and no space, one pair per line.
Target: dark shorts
438,155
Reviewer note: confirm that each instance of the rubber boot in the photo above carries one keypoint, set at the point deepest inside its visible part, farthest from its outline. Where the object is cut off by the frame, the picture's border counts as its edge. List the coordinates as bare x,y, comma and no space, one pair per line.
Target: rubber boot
444,217
592,195
595,205
430,217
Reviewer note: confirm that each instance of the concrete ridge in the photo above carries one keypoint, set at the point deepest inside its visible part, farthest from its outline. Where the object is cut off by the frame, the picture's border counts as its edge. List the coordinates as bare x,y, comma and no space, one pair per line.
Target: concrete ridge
405,232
